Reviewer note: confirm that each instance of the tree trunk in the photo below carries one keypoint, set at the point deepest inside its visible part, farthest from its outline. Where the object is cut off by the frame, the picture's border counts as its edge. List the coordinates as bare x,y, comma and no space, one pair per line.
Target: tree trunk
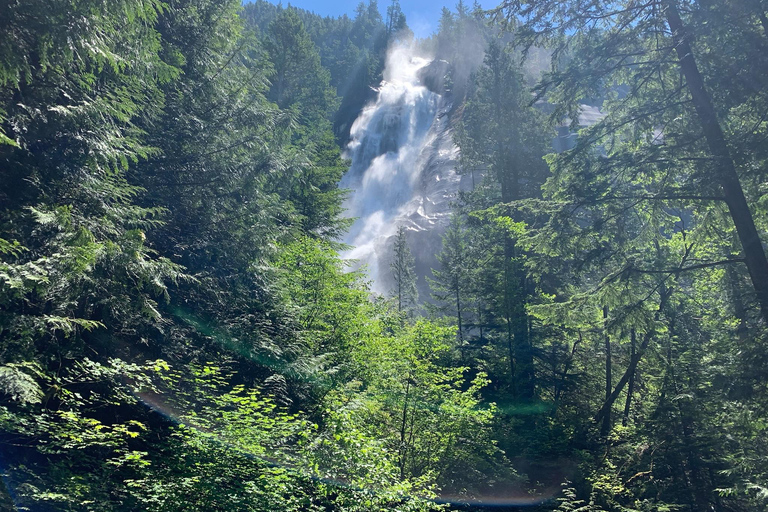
458,312
631,384
606,408
509,313
606,428
559,388
739,309
403,451
516,294
726,177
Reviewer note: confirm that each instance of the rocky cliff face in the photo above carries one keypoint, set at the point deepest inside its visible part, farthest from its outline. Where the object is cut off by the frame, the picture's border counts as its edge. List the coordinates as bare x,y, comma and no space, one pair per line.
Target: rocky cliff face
428,214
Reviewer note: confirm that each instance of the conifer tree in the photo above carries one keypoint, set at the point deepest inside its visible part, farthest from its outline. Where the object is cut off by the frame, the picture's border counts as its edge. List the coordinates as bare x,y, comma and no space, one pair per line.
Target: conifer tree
403,273
503,133
299,80
661,51
395,18
452,282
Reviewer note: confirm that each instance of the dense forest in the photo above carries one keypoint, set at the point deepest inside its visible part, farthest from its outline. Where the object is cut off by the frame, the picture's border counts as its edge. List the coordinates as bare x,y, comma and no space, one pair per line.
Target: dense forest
181,331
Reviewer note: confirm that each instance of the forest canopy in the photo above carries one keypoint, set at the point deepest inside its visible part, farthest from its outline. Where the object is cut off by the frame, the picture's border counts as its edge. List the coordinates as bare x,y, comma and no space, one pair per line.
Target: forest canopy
180,326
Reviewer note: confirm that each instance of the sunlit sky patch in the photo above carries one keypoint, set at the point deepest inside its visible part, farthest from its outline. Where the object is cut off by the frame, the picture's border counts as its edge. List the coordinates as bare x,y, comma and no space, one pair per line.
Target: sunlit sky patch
422,16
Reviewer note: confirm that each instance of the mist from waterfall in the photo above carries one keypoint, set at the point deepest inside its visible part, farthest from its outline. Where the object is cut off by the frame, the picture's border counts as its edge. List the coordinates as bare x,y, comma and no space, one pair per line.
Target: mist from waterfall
387,157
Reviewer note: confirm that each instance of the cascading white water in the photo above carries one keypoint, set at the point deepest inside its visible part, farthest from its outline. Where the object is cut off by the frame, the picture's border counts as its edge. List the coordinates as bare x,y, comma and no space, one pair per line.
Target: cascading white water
387,152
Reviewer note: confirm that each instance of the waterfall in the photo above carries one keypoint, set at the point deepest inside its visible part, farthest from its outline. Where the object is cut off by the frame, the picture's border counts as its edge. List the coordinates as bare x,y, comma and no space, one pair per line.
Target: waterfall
394,141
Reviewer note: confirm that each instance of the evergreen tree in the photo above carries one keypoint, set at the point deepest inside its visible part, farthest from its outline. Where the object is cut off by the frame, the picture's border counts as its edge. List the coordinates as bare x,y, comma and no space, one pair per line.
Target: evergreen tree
650,209
503,133
403,273
453,281
76,86
647,32
169,213
395,18
299,80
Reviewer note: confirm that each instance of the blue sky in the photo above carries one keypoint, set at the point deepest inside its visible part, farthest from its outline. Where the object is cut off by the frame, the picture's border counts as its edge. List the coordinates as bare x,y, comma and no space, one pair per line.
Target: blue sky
422,16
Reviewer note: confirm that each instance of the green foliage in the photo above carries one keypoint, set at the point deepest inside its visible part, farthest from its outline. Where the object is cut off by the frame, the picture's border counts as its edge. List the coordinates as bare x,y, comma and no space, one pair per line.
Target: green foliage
502,139
332,306
19,385
178,332
403,273
298,78
396,18
352,50
417,413
452,284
